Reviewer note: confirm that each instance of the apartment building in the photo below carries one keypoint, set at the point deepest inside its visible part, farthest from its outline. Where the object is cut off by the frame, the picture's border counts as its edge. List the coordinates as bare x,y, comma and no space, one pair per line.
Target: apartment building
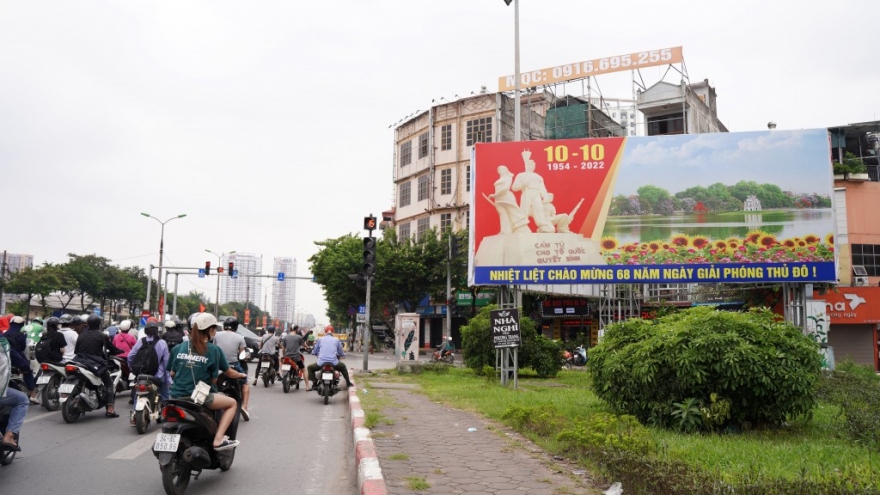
284,292
246,287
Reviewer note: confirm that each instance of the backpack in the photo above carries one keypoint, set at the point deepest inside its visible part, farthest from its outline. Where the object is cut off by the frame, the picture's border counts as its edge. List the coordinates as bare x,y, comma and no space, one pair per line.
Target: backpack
146,361
173,338
41,350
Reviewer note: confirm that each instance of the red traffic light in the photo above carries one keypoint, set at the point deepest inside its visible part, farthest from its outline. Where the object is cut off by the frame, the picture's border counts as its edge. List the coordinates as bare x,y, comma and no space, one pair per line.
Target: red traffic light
231,268
369,223
207,268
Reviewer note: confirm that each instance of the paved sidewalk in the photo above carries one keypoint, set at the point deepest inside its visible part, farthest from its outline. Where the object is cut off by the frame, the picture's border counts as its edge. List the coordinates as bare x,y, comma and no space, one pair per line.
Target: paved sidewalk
434,449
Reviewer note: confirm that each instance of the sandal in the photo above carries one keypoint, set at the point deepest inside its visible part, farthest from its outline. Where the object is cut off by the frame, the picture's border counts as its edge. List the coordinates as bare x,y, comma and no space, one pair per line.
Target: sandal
11,447
226,445
111,415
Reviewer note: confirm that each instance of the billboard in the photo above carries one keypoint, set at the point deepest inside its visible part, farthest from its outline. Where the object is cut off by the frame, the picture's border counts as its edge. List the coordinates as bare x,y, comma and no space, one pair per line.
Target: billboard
722,207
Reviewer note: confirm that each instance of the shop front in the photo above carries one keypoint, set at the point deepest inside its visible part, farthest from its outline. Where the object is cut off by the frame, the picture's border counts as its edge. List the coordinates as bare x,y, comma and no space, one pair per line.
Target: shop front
568,320
854,316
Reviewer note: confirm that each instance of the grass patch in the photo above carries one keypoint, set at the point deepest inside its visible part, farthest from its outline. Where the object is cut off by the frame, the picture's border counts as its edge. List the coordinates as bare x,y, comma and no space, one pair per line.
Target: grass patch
399,457
417,483
806,456
373,403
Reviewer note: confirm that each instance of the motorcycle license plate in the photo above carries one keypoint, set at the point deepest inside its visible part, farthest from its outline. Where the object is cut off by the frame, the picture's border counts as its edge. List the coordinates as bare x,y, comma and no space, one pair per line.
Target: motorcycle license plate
166,442
326,376
65,388
43,380
285,367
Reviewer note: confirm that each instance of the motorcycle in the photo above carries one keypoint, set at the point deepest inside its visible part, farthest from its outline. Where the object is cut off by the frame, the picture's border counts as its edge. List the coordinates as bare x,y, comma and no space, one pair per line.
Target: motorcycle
186,441
6,456
49,379
579,357
83,390
291,374
566,359
267,369
439,357
328,382
146,408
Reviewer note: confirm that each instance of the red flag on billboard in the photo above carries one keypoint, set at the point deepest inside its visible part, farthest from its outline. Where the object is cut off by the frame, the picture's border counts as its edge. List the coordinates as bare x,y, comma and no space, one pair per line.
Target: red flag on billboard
201,308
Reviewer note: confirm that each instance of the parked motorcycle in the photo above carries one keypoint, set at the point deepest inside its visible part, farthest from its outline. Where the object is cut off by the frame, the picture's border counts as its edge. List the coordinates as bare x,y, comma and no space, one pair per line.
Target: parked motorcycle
579,356
328,382
49,380
267,369
83,390
6,456
438,357
186,441
291,374
146,408
566,359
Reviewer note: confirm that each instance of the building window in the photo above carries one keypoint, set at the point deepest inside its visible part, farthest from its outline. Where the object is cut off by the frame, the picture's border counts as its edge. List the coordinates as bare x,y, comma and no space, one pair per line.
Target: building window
446,181
468,178
424,224
867,255
406,153
403,232
666,124
479,131
446,137
404,195
423,188
445,221
423,145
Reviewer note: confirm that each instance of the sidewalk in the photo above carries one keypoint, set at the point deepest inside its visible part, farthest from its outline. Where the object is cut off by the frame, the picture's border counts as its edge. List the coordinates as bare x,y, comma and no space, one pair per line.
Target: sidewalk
430,448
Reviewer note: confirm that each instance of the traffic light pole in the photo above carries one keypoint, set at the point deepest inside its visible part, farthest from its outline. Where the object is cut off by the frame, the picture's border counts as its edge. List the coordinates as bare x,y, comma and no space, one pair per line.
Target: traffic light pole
448,331
366,348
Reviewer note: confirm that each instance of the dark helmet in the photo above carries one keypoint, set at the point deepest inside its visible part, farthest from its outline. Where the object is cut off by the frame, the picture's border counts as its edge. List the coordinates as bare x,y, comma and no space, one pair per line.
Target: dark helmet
152,328
230,323
94,322
270,328
76,320
65,319
53,323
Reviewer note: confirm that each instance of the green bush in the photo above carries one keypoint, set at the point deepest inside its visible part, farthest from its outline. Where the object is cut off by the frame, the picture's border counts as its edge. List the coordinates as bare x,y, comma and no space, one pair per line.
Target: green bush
602,431
855,389
542,421
535,350
765,369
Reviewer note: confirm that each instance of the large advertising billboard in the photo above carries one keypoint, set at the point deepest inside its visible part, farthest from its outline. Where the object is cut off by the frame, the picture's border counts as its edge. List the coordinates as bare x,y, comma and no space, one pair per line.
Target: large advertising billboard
722,207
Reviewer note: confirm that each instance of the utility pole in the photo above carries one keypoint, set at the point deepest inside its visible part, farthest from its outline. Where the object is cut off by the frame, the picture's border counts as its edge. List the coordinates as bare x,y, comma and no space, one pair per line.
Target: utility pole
2,283
448,331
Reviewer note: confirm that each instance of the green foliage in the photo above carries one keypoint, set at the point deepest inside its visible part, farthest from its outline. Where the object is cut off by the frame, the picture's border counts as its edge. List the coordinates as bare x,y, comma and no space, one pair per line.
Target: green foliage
852,164
603,431
856,390
542,421
766,369
686,415
716,413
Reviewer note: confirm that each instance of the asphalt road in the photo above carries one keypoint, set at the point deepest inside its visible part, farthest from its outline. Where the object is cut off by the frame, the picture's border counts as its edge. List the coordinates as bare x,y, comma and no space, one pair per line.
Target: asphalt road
293,444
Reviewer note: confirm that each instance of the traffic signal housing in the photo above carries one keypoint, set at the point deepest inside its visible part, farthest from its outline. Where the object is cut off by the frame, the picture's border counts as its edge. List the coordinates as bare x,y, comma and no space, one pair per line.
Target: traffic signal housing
231,268
207,268
453,250
369,256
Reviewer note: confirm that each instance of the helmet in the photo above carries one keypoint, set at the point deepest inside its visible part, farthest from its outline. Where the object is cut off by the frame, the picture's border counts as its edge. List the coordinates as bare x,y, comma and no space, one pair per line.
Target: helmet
270,328
168,324
94,322
189,321
125,325
230,323
52,322
328,329
37,320
17,319
204,321
151,324
65,319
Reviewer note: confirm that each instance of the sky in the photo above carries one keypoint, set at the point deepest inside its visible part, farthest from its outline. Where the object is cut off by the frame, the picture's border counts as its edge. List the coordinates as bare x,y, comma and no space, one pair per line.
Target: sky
270,124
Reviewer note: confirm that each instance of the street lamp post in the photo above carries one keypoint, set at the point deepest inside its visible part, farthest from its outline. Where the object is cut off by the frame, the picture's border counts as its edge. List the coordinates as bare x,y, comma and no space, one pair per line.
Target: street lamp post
161,249
217,297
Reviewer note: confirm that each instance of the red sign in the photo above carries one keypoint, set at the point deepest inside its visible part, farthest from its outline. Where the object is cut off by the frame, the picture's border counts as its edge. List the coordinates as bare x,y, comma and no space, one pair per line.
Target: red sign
145,313
852,305
247,316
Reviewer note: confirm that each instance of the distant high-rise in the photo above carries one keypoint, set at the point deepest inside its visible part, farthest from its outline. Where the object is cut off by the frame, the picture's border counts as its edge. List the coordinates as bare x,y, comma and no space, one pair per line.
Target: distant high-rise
246,287
13,263
284,293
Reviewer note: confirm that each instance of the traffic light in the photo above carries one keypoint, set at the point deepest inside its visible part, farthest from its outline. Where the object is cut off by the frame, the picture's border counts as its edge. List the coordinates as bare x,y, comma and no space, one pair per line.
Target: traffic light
207,268
360,280
231,268
369,223
369,255
453,250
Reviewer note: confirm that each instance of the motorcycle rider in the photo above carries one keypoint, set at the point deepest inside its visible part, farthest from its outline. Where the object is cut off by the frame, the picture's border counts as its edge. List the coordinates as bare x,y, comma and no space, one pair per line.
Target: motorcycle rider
447,346
53,345
10,397
201,361
94,343
173,334
291,346
232,343
151,333
268,345
328,349
70,337
18,342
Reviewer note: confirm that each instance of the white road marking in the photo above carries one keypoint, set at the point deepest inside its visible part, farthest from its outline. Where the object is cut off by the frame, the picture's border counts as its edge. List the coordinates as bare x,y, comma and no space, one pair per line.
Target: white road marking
39,416
134,449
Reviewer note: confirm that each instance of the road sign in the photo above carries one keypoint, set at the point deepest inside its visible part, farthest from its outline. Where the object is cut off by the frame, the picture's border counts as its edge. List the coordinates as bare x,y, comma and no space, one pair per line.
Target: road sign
281,276
201,273
234,273
362,309
97,311
361,318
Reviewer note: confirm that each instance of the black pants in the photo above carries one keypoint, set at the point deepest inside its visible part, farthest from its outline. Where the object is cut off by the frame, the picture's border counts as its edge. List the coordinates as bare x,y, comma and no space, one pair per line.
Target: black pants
339,367
109,388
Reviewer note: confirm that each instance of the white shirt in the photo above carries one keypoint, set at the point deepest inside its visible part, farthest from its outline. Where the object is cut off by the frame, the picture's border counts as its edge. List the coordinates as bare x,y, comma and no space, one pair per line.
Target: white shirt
70,337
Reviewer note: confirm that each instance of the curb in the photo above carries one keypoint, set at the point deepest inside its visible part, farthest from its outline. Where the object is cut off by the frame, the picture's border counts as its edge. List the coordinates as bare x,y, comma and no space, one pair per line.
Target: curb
371,481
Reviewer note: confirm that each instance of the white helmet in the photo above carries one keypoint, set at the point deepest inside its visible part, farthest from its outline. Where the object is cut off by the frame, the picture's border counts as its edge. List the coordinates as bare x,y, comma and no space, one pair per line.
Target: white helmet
204,320
125,326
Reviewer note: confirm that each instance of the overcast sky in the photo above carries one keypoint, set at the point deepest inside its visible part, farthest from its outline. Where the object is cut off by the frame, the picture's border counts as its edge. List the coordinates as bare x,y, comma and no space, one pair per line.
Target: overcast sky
267,123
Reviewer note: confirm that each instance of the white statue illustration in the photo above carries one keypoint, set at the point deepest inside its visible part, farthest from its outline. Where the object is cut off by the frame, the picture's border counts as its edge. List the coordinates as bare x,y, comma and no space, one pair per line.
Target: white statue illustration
533,193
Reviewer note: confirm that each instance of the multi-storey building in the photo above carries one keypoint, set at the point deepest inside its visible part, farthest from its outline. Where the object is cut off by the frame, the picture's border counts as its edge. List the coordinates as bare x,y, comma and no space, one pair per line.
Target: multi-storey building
284,292
12,263
623,111
246,287
680,108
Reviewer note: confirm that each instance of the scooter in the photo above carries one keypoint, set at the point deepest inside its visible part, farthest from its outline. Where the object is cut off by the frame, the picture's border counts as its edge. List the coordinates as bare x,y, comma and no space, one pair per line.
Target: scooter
6,456
49,379
566,359
448,358
146,408
83,390
328,382
579,357
186,442
267,369
291,374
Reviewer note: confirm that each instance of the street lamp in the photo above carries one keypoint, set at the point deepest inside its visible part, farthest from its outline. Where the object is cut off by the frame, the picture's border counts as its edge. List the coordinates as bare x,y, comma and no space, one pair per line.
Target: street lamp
161,249
219,261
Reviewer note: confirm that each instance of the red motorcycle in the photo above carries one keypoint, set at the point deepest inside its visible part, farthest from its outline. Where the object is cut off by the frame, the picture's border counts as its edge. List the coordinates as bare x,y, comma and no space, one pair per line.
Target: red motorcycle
438,356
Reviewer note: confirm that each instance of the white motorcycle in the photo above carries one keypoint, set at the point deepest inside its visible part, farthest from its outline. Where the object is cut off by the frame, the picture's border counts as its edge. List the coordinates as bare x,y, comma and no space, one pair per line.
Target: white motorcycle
83,391
49,381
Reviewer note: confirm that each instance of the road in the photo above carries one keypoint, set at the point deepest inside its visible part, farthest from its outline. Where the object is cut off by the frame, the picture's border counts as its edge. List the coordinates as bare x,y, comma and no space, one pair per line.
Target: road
293,444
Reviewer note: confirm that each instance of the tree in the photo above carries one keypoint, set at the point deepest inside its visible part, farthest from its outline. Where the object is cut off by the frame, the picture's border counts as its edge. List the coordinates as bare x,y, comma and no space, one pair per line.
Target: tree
651,197
32,282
